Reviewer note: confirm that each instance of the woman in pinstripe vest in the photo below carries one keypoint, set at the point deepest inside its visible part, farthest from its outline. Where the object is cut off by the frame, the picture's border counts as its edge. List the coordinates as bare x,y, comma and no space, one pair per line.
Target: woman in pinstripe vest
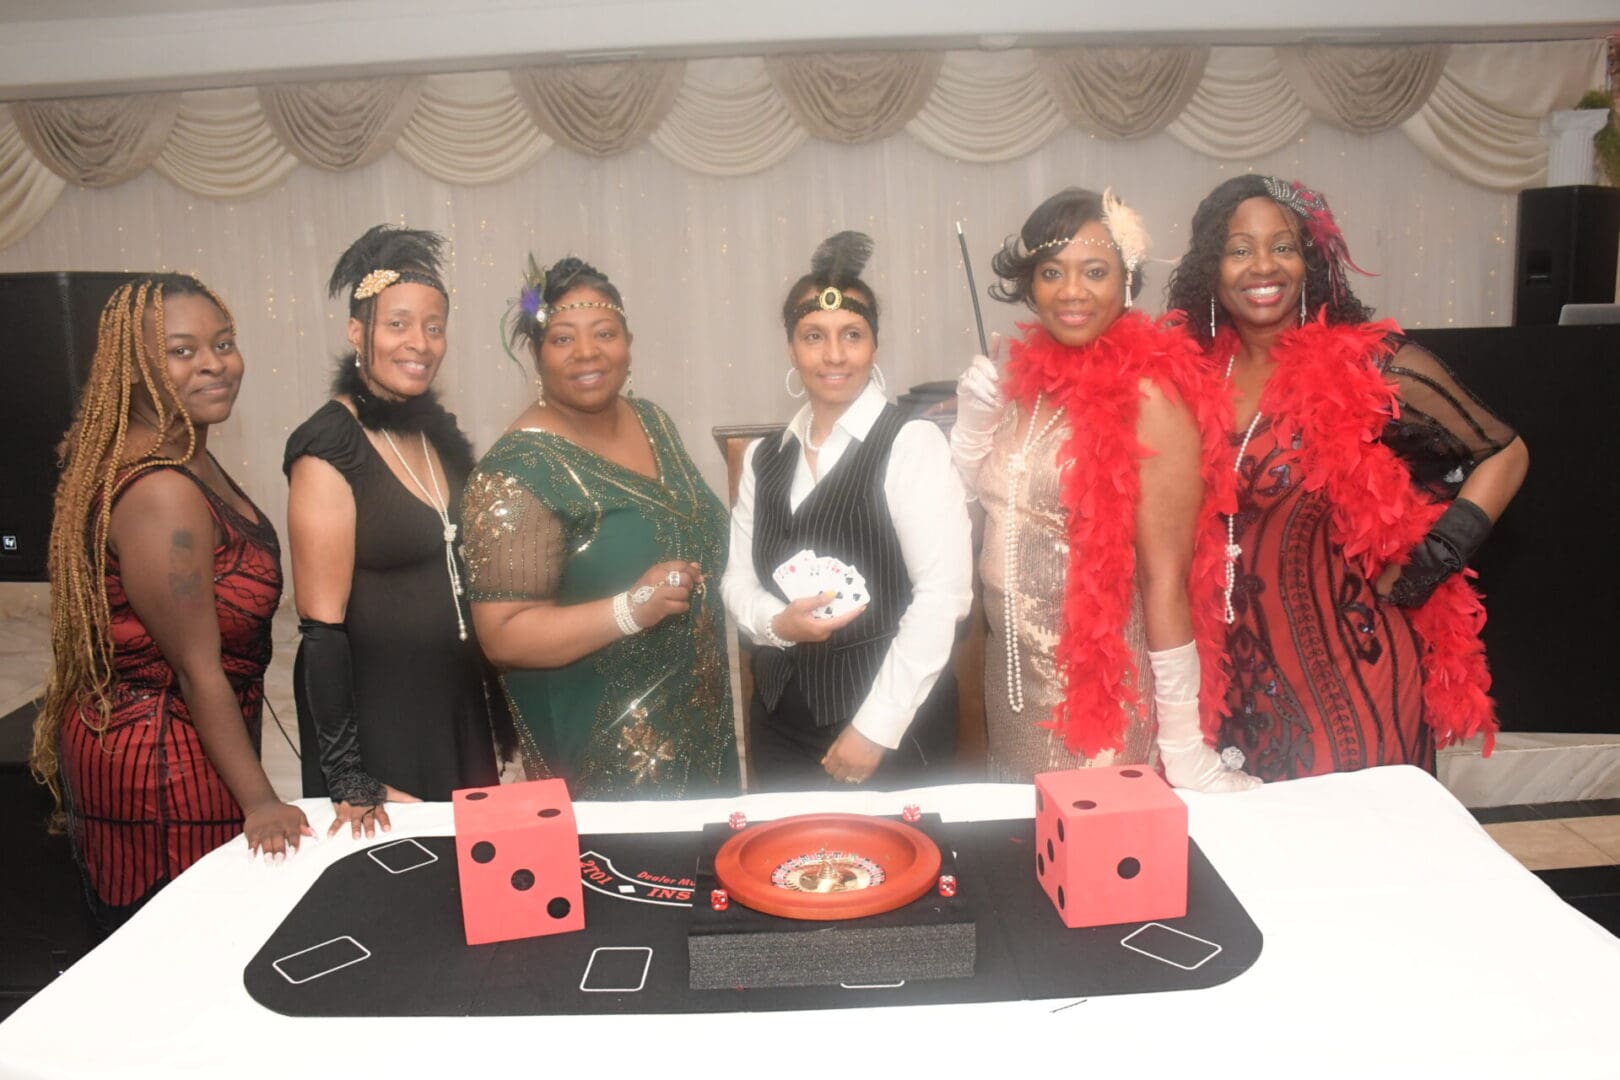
863,695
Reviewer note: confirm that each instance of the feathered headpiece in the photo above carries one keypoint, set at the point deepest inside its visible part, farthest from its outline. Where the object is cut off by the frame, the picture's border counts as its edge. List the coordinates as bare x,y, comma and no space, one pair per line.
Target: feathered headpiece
1321,230
836,265
527,316
384,256
1125,229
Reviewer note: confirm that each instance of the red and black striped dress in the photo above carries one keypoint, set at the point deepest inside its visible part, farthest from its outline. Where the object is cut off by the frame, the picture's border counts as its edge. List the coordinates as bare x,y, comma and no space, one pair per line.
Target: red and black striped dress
143,800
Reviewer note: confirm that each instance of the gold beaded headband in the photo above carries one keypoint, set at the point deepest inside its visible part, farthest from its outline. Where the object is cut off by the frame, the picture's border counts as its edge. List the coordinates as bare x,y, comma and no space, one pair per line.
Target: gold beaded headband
378,280
543,313
374,283
1127,234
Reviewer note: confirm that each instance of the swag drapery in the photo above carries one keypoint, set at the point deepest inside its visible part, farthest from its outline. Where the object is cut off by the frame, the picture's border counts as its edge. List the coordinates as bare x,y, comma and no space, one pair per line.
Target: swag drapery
1475,109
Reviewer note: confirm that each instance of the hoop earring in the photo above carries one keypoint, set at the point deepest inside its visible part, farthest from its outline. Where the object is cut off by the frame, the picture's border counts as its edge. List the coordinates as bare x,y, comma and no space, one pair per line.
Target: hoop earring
877,377
1304,314
539,392
1212,316
787,381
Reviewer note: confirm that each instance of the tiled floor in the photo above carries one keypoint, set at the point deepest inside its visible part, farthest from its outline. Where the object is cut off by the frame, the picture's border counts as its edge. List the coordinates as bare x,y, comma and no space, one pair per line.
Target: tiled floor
1573,847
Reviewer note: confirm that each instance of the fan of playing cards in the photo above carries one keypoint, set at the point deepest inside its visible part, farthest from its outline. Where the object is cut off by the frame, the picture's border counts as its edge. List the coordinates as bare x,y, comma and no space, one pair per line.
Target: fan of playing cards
809,574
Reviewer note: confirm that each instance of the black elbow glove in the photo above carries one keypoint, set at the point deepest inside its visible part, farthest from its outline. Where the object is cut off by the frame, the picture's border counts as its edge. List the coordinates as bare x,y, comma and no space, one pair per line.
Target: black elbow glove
1445,551
327,689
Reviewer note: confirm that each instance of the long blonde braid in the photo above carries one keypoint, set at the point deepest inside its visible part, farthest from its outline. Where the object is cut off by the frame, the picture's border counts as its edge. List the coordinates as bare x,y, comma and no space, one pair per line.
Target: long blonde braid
97,464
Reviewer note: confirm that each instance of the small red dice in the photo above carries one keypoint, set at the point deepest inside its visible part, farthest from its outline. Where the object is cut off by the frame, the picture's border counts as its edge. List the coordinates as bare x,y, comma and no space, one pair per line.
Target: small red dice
912,813
738,820
719,899
947,885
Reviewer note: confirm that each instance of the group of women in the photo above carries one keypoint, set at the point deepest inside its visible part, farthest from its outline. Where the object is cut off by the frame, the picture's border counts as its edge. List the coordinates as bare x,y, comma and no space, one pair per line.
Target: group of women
1233,546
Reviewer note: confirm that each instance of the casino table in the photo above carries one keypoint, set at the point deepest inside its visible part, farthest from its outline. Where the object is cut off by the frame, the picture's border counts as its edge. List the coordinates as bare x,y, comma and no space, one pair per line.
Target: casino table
1398,939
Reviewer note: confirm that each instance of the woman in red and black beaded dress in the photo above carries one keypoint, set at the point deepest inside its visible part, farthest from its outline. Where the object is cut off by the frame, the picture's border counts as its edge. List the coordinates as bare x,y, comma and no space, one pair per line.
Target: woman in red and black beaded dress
1367,477
164,579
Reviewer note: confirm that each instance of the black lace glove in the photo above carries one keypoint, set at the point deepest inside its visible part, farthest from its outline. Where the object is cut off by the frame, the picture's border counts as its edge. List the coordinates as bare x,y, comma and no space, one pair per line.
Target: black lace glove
327,688
1445,551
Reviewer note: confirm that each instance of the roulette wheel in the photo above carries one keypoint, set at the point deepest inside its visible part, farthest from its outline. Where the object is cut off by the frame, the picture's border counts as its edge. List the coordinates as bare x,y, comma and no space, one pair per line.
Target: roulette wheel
827,866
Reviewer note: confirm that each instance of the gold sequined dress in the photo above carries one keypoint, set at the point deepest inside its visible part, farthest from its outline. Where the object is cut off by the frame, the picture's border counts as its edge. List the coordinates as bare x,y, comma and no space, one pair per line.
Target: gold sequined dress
648,716
1019,747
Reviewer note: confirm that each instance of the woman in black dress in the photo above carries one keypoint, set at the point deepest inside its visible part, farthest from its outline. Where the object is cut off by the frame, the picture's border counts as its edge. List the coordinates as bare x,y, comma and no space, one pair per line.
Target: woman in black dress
389,683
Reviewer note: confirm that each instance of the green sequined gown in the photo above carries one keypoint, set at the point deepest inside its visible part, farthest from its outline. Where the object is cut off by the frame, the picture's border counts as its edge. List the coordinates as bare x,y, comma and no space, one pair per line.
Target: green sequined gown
650,715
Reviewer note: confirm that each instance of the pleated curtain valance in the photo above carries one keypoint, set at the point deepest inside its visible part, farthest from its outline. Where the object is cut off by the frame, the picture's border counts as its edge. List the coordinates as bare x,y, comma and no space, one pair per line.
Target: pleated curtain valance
1475,109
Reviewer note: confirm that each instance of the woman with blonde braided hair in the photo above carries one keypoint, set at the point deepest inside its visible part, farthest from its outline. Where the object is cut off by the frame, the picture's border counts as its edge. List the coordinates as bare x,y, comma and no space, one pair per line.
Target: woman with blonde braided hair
164,577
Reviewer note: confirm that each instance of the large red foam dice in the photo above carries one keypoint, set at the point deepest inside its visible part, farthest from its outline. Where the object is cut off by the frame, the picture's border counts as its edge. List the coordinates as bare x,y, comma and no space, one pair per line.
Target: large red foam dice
1111,845
517,851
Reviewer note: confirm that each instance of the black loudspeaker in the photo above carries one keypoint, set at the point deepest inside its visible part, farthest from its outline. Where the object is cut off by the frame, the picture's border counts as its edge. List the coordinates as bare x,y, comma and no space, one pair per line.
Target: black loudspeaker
48,327
1569,241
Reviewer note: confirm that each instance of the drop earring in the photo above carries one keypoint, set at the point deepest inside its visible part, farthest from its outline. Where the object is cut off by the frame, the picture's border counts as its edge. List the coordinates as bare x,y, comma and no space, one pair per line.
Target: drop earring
1130,276
539,392
1212,316
1304,315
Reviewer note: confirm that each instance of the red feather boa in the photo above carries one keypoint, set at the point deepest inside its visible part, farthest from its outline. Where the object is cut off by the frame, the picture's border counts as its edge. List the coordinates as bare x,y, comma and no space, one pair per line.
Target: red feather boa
1329,388
1099,387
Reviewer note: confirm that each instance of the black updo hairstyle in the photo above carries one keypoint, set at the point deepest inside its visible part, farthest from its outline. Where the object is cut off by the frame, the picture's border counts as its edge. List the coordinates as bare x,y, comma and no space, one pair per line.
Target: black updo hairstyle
837,263
1197,278
1058,218
414,254
542,291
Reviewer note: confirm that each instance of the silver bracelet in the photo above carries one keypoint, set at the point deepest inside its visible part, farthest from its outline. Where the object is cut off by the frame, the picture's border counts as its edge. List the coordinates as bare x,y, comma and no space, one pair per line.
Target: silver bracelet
772,637
621,615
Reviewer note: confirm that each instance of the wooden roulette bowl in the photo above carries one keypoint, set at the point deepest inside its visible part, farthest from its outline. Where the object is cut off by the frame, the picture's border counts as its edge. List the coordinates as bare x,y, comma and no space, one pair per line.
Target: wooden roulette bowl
827,866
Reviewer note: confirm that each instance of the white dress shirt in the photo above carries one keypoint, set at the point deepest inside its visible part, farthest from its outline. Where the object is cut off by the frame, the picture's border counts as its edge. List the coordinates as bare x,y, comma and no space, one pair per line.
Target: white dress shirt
929,512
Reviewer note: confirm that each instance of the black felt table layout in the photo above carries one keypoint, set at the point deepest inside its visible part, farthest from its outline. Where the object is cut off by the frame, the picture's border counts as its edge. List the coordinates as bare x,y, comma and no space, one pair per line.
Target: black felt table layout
380,934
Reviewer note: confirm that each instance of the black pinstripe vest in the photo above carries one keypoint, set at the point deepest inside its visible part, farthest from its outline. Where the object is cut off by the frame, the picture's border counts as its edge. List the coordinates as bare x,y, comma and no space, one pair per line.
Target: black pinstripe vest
846,516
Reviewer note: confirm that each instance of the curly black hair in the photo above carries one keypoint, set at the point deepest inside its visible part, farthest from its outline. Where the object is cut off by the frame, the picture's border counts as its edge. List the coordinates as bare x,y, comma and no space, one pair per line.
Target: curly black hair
1196,279
1058,218
567,273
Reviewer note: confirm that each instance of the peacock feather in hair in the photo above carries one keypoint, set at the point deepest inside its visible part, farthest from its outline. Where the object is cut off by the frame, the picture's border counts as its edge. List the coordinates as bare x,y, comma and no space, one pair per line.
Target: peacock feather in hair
387,247
841,257
1125,226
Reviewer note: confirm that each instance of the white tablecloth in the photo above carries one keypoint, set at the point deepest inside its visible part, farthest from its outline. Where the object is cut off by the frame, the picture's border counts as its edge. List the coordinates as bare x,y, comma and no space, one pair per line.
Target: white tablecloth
1399,940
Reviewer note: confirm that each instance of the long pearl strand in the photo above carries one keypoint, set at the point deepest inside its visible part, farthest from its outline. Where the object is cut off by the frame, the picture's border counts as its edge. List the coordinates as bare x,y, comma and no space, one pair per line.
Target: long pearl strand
1019,464
441,507
1233,551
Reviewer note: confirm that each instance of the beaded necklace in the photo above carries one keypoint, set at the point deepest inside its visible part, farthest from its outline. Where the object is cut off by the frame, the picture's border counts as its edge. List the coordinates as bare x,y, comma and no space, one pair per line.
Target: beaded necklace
435,498
1019,464
1233,550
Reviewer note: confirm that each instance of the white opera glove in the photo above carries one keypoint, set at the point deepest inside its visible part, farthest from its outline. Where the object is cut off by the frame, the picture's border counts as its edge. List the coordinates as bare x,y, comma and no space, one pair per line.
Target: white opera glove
1189,762
979,410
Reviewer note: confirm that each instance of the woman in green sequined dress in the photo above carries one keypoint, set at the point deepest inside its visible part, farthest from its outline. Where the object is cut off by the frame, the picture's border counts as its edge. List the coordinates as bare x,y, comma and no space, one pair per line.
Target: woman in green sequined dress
590,542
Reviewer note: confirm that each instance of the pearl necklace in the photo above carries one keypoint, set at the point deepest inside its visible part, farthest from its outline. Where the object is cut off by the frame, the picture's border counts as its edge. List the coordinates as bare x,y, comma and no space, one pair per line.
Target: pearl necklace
435,498
1019,464
1233,551
810,426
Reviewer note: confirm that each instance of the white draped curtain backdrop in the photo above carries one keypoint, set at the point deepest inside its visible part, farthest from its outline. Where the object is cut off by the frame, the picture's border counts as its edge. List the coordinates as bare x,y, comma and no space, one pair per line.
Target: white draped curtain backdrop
701,187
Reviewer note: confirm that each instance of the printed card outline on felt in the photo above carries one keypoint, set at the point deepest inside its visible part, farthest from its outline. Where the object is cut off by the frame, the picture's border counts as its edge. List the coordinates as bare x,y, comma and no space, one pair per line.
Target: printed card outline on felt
1126,941
365,954
646,965
373,853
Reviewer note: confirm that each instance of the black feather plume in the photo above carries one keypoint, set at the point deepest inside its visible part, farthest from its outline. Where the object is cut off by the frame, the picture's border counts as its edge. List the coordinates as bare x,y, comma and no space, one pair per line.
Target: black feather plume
841,257
387,247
